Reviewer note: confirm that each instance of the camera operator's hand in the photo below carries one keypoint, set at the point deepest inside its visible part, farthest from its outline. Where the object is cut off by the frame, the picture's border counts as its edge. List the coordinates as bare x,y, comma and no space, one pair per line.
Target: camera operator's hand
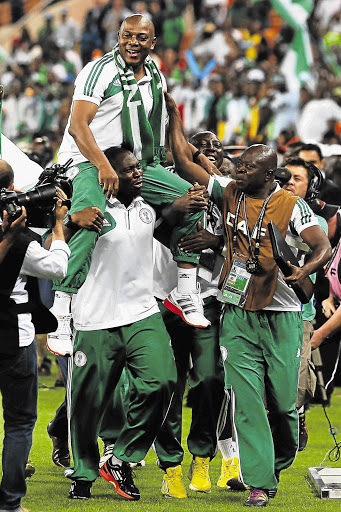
90,218
11,229
57,231
61,209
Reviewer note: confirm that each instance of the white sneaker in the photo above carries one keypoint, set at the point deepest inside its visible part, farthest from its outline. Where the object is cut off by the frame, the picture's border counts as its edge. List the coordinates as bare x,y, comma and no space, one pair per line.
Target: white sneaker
189,306
60,341
108,452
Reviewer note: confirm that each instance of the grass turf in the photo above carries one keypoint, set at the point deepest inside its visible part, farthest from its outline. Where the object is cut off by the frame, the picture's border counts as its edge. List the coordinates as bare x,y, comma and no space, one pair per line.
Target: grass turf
48,488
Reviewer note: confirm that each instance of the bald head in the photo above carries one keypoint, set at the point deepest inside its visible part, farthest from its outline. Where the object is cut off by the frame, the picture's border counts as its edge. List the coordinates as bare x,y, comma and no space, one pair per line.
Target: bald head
264,155
136,39
256,170
6,175
141,20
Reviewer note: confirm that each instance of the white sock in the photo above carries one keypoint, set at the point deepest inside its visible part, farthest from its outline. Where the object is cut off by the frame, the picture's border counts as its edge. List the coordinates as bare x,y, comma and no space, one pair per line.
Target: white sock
62,304
187,280
228,448
115,461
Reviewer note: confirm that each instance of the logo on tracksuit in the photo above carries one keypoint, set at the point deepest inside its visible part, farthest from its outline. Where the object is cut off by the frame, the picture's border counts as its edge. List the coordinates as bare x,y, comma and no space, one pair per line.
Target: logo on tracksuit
80,359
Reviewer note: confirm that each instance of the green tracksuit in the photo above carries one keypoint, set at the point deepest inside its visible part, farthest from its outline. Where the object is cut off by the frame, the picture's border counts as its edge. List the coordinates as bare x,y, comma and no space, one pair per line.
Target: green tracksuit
263,355
206,379
99,357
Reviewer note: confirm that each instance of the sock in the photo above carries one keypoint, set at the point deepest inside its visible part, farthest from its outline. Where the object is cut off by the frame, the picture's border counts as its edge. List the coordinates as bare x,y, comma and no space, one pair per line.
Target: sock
300,410
187,280
62,304
115,461
228,448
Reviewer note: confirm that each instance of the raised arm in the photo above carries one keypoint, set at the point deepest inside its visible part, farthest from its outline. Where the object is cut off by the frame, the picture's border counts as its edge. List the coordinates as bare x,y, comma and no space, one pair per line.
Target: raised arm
83,113
182,151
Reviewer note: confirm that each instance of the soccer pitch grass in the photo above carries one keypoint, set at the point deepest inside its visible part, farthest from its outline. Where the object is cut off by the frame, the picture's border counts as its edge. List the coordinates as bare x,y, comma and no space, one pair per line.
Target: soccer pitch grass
48,488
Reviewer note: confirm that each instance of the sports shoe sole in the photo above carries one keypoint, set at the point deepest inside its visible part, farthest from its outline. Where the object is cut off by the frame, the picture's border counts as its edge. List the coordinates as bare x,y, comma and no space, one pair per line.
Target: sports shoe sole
111,480
193,488
50,344
172,307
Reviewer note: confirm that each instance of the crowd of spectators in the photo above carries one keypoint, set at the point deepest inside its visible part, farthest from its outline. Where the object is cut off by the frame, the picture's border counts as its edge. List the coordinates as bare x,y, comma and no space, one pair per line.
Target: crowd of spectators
243,95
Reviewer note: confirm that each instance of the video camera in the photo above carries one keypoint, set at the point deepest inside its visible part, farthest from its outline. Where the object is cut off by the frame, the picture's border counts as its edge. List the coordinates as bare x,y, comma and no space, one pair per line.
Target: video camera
40,202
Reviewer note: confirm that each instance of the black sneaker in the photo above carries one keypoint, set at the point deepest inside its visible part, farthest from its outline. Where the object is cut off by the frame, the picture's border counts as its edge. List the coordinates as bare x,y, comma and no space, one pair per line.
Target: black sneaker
272,492
60,452
121,478
257,498
302,433
80,490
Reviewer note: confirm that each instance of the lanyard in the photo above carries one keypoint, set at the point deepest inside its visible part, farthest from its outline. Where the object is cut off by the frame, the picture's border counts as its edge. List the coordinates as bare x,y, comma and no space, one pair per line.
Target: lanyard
252,263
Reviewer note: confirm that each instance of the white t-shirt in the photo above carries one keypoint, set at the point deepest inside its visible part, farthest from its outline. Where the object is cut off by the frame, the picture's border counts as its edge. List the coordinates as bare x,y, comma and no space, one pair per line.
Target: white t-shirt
38,262
99,83
118,289
302,217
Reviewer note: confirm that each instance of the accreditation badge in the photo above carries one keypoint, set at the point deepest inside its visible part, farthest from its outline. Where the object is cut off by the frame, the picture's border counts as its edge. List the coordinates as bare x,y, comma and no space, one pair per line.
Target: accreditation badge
236,286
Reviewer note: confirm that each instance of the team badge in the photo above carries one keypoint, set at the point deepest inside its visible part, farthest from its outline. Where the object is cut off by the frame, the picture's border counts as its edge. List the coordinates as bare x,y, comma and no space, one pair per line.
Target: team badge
224,353
80,359
146,216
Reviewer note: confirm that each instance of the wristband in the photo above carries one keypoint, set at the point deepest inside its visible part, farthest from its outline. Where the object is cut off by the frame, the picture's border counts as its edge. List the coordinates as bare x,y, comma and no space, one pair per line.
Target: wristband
67,222
196,155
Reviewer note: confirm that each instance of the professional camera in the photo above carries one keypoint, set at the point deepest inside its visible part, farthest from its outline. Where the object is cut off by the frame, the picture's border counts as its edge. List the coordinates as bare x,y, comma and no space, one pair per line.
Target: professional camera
40,202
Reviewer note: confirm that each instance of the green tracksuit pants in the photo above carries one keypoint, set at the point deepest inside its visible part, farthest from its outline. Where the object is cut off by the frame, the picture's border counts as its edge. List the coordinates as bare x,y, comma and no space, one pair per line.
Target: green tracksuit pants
160,187
263,351
99,357
206,379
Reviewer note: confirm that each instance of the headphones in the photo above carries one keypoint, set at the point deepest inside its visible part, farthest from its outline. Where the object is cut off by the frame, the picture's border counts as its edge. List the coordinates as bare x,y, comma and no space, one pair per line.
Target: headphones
315,183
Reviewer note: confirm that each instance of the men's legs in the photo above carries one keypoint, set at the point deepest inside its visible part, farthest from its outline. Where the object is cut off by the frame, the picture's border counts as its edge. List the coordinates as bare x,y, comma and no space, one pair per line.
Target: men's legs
19,389
168,442
57,429
86,192
306,384
206,379
152,374
161,188
284,333
241,335
97,366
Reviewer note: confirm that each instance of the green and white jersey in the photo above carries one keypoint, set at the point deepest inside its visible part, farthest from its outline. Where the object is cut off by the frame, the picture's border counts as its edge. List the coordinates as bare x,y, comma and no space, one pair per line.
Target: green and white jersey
99,83
119,287
302,217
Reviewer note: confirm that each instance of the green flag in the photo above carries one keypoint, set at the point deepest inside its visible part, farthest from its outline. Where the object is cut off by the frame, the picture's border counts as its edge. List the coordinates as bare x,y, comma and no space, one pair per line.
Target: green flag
298,60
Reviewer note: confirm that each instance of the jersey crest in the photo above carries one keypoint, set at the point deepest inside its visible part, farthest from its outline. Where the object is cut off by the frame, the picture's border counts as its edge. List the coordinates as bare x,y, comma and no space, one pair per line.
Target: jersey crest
146,216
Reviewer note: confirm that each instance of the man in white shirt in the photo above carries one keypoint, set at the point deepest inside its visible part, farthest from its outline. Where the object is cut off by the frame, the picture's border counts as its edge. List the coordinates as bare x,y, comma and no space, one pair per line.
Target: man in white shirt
118,323
118,101
25,260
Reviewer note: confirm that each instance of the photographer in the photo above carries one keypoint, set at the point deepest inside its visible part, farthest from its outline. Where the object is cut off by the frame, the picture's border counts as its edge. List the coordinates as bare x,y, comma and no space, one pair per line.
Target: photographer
10,232
24,261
